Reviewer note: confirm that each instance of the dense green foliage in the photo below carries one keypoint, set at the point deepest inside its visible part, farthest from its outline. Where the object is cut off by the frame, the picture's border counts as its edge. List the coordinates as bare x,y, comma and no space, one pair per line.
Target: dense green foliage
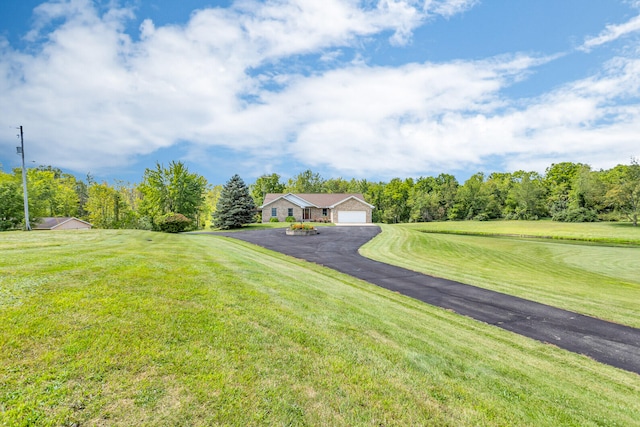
567,192
202,330
265,184
624,189
109,207
235,206
172,190
306,182
51,193
11,206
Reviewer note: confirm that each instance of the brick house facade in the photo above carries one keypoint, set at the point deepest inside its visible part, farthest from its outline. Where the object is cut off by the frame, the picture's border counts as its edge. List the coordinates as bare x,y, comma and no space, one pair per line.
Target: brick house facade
336,208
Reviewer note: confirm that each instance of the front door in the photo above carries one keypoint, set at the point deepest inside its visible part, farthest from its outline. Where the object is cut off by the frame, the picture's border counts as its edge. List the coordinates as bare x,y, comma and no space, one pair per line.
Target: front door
306,214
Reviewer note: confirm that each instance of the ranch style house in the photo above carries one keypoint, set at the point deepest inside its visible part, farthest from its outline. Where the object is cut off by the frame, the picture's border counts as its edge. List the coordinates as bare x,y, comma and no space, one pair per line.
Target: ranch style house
337,208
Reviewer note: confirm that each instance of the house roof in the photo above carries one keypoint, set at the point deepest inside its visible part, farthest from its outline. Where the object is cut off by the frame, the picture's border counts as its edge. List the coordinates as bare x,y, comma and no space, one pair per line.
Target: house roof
315,200
50,223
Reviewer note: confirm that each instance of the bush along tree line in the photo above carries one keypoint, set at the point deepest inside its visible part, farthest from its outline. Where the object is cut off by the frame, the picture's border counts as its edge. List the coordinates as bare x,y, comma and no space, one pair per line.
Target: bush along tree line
173,199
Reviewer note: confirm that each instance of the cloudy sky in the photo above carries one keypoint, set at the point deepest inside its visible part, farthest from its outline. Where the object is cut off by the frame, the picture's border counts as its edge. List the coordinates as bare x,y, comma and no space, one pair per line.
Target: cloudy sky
353,88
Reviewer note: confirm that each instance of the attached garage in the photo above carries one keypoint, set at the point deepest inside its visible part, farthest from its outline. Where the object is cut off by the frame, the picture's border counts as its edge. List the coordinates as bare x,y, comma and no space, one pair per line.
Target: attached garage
354,217
339,208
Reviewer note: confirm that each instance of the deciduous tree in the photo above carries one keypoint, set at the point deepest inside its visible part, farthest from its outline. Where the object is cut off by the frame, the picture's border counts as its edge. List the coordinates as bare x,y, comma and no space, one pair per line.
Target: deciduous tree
526,197
172,190
395,202
624,192
559,181
337,185
472,198
11,205
265,184
432,198
51,192
106,207
305,182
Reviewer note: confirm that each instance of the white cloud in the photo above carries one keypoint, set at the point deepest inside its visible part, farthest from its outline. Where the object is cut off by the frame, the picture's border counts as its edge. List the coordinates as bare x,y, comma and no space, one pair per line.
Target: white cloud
92,91
461,120
77,11
92,98
612,32
449,8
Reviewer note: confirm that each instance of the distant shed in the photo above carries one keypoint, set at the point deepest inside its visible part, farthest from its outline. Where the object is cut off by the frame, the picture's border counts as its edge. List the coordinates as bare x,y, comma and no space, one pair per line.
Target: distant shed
62,223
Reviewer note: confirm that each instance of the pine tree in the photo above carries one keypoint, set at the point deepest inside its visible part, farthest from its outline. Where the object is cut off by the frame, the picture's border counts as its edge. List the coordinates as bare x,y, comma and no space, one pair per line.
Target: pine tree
235,206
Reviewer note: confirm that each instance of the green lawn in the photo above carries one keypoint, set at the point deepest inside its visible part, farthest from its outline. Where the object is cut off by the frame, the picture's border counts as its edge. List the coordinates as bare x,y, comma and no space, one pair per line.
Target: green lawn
126,328
603,232
580,267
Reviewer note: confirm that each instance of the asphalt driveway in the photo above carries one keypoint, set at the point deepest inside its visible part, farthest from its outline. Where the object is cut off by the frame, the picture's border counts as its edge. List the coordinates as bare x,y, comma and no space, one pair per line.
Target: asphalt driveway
337,248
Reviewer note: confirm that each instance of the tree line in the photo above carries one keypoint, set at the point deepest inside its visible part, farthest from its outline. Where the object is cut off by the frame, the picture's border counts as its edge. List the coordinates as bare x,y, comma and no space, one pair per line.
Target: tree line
173,199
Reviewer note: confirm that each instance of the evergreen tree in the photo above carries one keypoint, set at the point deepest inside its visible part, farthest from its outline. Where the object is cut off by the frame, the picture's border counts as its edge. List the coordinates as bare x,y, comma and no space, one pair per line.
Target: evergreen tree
235,206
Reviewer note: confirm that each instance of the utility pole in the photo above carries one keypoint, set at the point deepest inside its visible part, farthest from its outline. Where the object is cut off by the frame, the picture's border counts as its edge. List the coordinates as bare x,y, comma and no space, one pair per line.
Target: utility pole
24,183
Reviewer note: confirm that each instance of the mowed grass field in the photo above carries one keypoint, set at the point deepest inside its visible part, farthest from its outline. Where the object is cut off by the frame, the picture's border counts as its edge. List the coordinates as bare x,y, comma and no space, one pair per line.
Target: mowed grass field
592,269
121,328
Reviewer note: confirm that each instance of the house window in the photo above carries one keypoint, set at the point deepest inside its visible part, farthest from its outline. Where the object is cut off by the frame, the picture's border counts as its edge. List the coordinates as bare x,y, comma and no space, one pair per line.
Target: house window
290,212
274,211
325,211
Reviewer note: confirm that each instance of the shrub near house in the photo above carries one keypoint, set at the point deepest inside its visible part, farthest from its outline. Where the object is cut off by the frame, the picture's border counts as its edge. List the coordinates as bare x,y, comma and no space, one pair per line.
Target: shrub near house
173,223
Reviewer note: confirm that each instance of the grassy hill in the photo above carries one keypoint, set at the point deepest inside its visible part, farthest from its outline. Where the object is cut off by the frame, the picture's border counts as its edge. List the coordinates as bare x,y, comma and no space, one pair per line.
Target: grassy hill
138,328
592,269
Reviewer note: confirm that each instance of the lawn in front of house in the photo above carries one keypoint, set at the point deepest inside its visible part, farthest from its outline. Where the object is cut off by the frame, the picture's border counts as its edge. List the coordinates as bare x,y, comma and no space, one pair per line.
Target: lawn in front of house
128,328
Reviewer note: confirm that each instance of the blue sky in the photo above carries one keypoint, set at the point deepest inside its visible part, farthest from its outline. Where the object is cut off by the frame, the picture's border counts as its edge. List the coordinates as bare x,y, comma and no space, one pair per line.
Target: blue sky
370,89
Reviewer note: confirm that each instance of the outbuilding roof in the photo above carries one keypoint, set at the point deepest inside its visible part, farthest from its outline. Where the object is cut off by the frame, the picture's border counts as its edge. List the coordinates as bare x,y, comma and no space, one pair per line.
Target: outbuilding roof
51,223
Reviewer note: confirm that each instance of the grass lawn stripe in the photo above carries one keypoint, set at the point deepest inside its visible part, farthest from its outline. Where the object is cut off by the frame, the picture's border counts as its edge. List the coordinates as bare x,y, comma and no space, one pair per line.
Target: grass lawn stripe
595,279
138,328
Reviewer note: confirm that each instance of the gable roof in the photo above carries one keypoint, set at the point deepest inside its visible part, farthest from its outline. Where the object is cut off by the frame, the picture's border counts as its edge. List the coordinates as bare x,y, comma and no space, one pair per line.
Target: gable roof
353,196
51,223
315,200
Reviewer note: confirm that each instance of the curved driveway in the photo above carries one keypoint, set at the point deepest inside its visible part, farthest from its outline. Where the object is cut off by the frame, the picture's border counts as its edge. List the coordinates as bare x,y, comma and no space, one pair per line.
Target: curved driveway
337,248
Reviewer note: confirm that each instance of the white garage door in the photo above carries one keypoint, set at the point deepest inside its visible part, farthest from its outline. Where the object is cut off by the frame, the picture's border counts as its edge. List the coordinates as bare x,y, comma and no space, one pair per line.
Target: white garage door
352,216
